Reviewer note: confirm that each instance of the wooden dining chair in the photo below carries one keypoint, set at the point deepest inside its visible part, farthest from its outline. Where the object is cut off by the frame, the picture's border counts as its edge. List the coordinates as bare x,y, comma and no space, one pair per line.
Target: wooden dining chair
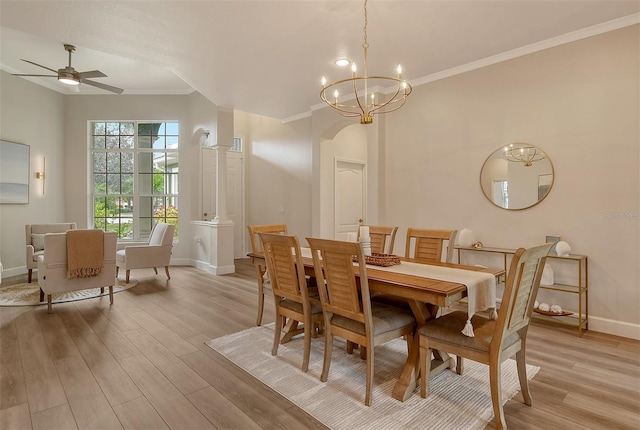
290,291
494,340
379,235
261,271
346,303
427,244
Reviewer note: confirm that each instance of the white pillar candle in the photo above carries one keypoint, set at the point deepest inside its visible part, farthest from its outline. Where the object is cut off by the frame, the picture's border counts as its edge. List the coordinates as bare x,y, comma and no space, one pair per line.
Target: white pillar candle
364,234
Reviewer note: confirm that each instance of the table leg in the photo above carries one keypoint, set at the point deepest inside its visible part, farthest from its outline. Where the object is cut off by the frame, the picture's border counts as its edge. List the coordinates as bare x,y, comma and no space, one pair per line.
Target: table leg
411,372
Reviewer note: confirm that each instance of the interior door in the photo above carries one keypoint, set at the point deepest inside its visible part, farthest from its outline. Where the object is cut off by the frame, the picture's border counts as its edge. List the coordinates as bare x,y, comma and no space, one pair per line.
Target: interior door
350,197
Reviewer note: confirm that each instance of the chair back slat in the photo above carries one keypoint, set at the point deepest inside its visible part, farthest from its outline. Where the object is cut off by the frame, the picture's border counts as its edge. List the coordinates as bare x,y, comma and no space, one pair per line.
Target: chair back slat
428,244
333,262
520,290
282,254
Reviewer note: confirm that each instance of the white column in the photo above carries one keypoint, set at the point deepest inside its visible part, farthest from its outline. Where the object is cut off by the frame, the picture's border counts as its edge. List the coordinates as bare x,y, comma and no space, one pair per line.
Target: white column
222,252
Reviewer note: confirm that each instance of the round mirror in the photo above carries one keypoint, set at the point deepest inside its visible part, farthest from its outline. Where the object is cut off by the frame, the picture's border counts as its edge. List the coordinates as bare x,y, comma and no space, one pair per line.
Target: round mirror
517,176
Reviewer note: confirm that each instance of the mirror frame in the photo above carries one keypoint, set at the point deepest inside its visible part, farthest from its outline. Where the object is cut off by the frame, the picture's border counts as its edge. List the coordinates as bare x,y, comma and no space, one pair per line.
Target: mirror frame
501,150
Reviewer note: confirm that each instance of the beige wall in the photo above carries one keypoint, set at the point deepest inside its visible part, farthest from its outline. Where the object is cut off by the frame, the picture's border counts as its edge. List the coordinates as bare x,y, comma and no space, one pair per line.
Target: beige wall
579,103
278,170
32,115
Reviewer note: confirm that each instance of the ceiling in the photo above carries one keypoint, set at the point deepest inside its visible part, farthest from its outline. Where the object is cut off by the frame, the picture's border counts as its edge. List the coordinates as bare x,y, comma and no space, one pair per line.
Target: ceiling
267,57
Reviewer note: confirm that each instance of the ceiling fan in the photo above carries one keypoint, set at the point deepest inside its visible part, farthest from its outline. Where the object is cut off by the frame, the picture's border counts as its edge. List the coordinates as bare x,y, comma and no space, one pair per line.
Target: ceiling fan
70,76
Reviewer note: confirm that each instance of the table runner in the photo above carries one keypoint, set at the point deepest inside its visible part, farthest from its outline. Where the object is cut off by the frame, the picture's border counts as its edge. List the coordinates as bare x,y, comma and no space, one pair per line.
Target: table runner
481,286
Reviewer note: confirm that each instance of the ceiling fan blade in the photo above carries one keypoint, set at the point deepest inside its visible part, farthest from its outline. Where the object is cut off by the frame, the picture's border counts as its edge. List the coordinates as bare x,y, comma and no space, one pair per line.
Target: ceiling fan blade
42,76
91,74
103,86
39,65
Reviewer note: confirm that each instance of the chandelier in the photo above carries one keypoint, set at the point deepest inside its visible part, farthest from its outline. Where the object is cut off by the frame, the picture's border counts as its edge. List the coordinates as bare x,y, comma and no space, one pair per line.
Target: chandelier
362,100
523,153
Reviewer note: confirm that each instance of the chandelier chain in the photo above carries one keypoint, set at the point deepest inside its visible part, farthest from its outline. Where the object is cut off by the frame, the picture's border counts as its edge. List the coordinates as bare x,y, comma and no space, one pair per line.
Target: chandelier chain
365,44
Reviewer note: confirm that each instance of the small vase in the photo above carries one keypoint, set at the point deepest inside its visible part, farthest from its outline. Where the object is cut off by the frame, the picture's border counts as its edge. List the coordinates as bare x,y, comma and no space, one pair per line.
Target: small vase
562,248
547,275
466,237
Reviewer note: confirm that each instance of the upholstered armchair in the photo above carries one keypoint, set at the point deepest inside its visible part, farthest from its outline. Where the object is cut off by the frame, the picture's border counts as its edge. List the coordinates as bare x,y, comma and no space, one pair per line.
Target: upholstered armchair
35,240
156,253
53,267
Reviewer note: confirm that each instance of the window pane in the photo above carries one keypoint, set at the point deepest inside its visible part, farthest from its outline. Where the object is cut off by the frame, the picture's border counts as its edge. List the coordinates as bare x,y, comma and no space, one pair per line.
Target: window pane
99,207
159,183
145,225
144,141
145,209
126,128
144,129
145,162
99,162
113,128
98,142
127,184
126,141
99,184
112,207
113,142
159,143
171,128
113,184
172,141
145,183
99,128
126,162
113,162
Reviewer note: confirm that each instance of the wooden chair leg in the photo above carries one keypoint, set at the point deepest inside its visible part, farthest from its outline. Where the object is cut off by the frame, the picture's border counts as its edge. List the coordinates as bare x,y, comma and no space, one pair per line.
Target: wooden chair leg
496,395
277,334
41,295
166,270
260,304
111,294
49,303
155,269
522,375
308,328
101,290
30,275
369,352
126,280
350,347
117,271
328,350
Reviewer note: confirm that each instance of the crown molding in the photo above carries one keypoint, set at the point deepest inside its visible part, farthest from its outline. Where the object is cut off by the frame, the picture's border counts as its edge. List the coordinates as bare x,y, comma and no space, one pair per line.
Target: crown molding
573,36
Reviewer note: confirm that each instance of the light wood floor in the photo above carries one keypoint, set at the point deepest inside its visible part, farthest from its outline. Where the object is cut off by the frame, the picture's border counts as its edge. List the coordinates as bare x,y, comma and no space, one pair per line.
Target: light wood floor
142,364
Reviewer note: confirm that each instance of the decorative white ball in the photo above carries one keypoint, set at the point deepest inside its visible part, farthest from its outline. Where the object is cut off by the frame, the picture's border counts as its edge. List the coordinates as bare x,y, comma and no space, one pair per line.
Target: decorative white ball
562,248
556,309
466,237
536,304
544,307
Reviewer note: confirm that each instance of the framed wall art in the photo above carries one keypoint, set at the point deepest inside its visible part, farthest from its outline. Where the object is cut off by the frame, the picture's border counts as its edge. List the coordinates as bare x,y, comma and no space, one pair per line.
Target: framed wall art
14,172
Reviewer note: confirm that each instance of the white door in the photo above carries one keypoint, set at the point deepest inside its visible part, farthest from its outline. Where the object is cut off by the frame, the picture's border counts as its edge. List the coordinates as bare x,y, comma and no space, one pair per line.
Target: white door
235,193
350,197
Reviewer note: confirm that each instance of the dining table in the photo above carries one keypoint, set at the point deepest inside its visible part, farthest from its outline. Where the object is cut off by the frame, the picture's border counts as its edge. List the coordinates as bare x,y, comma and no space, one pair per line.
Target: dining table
425,294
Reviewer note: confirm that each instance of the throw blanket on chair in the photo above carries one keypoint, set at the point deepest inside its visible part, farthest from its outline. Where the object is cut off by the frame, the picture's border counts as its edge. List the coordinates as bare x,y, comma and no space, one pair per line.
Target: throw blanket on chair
85,253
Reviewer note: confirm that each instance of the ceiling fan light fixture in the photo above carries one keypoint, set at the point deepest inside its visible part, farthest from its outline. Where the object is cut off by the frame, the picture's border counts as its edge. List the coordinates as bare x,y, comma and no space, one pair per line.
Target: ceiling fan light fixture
68,78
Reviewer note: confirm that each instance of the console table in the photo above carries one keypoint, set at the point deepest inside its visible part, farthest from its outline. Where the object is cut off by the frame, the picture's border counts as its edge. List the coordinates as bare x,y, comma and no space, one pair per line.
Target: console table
579,288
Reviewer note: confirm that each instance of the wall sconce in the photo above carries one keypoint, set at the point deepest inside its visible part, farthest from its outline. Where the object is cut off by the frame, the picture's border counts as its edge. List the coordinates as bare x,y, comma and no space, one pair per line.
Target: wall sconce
40,175
204,137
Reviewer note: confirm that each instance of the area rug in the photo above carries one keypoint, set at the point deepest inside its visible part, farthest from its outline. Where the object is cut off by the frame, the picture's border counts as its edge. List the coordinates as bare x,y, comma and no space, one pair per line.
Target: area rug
25,294
454,401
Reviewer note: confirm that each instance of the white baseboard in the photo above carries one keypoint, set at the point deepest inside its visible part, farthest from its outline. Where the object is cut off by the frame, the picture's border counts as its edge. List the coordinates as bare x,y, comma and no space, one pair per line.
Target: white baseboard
14,271
616,328
215,270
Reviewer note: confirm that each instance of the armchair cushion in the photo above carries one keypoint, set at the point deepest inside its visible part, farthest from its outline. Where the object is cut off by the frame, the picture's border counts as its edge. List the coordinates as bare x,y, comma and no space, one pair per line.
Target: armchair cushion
37,240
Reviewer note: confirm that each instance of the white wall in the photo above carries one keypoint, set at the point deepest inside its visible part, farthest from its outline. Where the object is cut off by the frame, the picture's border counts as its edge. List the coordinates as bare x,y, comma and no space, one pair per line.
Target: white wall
278,169
32,115
579,103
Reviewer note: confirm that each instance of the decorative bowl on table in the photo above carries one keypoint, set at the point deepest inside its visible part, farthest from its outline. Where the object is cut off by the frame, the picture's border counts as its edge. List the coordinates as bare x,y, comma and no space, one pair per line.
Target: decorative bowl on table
384,260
